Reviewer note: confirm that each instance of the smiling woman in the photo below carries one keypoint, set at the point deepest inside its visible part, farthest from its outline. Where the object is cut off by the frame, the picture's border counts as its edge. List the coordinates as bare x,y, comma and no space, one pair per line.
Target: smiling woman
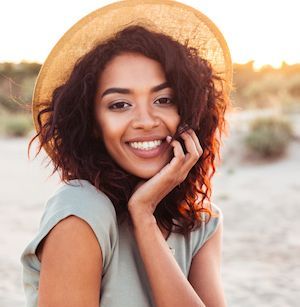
133,125
135,118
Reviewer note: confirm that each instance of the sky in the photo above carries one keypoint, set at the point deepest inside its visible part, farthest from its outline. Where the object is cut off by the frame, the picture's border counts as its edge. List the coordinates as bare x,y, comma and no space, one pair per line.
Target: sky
261,30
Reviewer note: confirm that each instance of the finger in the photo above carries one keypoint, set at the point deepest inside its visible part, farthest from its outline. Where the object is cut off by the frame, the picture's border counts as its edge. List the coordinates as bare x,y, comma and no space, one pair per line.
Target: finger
179,155
173,167
192,151
182,163
196,140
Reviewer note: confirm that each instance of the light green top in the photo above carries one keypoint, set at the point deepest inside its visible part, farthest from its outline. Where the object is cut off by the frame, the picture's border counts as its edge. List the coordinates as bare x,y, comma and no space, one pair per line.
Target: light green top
124,282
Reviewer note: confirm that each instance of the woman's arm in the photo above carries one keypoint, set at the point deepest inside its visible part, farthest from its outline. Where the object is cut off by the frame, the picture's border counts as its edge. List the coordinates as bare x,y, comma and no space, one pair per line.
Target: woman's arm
205,271
169,285
71,266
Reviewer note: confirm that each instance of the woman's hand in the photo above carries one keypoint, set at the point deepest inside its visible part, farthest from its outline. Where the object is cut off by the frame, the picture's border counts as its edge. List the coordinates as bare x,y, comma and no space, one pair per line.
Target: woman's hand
148,194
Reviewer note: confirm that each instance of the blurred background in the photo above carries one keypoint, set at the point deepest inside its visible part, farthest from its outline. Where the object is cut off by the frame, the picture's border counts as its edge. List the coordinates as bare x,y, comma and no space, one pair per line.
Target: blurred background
257,183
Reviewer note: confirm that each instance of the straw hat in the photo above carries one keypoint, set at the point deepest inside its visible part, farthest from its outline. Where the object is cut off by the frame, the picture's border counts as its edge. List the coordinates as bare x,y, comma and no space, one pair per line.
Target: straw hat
175,19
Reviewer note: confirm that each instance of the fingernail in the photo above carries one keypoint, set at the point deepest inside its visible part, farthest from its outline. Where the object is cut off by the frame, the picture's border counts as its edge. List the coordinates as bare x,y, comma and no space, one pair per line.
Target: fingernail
169,139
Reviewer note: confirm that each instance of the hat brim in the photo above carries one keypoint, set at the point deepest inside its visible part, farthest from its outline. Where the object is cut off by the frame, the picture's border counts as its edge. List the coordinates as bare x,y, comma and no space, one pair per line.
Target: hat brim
175,19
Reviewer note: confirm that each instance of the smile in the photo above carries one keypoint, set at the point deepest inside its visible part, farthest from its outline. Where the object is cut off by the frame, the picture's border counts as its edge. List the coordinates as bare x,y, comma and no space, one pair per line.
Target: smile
145,145
148,150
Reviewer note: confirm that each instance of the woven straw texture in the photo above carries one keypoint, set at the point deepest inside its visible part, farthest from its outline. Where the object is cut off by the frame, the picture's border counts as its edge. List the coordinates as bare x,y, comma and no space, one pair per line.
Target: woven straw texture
178,20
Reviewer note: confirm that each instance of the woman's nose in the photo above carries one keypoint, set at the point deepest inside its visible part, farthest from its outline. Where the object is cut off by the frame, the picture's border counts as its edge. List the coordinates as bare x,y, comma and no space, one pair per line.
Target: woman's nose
145,119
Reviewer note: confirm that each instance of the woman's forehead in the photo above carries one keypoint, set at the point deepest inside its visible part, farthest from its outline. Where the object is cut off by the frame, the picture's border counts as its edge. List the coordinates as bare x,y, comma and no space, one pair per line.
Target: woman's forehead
129,72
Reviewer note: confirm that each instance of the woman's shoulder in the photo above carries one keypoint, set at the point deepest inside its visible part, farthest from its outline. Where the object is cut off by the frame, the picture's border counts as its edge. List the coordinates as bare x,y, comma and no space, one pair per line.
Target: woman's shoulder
216,211
208,226
82,200
82,196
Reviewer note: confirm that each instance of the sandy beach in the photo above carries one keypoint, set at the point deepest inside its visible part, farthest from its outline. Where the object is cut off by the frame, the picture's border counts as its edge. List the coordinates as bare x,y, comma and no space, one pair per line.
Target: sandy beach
260,203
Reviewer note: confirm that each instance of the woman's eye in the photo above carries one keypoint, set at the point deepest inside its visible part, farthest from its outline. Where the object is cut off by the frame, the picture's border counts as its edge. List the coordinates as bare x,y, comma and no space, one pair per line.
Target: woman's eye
165,100
118,105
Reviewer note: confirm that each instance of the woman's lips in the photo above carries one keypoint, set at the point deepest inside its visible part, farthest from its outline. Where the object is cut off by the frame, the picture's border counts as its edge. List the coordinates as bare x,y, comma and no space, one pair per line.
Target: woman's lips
151,153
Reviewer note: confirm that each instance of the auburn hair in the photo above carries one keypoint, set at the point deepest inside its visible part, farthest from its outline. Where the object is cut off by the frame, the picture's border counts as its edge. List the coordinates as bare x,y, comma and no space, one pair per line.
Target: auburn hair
68,125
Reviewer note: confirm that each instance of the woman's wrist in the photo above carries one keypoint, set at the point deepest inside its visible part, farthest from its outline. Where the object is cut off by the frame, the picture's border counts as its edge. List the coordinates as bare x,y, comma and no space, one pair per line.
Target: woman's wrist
141,217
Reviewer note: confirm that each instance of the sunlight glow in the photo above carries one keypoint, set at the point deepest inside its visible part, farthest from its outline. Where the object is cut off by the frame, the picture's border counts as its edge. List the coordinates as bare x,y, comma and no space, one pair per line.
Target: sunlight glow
255,30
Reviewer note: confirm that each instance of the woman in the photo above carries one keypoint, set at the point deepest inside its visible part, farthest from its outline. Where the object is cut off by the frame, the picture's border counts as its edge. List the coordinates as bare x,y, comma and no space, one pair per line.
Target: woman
130,121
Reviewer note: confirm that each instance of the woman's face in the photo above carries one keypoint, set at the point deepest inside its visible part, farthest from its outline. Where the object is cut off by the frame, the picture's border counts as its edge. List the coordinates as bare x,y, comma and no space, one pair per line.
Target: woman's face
135,113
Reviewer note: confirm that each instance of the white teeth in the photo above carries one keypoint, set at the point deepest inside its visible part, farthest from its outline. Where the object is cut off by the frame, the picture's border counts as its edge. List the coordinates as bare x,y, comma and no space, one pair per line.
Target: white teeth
145,145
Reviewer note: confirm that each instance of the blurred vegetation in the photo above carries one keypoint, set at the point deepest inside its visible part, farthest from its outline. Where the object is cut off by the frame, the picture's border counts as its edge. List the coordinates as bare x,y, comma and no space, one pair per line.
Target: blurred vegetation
267,88
254,89
269,137
16,87
15,125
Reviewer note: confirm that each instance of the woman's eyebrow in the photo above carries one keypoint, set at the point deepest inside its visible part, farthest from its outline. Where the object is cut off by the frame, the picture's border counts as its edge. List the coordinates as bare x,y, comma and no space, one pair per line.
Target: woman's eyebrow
160,87
128,91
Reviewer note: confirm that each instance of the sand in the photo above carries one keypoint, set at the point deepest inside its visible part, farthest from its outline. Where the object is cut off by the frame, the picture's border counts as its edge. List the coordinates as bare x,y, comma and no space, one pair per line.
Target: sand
260,203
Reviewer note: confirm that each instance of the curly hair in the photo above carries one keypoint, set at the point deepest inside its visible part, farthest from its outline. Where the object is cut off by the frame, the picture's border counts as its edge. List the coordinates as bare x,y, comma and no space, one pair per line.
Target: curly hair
78,153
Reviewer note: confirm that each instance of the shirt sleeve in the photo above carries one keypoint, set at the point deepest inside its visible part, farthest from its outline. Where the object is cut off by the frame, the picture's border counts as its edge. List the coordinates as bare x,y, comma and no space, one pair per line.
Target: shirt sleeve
206,231
85,202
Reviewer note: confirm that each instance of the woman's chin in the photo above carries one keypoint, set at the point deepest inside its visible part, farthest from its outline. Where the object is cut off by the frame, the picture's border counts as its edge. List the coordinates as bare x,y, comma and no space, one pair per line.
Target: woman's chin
146,172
